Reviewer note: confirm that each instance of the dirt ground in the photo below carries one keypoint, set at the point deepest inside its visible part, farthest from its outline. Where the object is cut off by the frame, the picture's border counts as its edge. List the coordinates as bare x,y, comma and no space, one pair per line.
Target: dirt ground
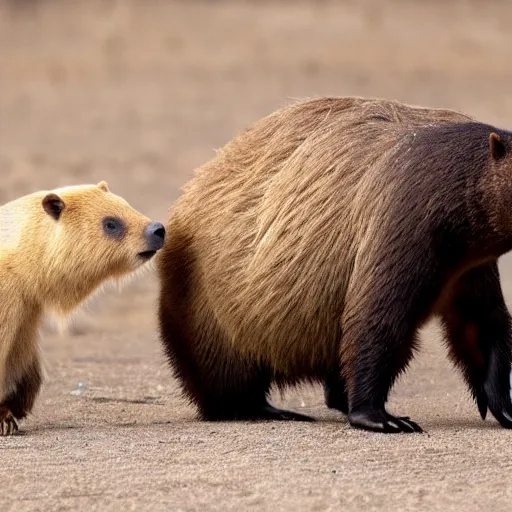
139,94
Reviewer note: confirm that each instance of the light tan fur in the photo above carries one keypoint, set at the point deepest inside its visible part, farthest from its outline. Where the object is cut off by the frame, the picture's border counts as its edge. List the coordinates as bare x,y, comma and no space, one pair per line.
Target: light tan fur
51,266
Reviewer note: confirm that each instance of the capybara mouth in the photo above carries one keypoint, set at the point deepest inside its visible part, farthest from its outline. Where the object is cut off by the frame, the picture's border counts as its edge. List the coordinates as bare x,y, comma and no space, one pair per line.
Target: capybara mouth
146,255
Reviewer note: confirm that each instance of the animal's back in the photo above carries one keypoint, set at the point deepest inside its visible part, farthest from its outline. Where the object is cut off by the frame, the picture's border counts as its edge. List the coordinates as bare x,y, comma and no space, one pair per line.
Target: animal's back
275,224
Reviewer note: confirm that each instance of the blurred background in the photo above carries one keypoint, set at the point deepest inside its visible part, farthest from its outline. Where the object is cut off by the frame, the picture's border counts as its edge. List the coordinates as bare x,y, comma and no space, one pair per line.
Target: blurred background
139,93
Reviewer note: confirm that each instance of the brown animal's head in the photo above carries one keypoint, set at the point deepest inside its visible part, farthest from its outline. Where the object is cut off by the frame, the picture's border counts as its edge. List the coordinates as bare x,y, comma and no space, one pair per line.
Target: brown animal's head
474,161
497,182
69,241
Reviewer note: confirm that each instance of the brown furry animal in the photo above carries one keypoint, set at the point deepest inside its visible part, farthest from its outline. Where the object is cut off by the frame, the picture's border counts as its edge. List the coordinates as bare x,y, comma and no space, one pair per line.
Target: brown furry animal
317,242
56,248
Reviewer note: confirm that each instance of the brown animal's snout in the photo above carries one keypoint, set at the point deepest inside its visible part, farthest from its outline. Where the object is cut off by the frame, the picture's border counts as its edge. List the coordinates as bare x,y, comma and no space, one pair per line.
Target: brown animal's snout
155,236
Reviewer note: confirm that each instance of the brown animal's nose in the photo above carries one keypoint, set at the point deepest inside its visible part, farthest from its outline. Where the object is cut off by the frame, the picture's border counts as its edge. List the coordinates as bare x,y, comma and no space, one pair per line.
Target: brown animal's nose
155,236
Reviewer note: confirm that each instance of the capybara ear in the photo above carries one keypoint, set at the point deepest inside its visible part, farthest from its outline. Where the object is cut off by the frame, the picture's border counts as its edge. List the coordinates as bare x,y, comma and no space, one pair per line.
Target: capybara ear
104,186
496,146
53,205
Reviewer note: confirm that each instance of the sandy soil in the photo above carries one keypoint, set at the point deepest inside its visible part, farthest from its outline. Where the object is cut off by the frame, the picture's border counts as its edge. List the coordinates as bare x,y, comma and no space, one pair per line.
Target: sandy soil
139,93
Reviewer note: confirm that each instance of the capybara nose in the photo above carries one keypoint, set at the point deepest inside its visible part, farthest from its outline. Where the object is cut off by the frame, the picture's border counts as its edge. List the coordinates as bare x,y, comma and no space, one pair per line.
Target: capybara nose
155,236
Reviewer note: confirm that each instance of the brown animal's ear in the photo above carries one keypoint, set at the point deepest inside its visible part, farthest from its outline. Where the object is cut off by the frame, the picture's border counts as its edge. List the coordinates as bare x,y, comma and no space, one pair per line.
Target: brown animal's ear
53,205
496,146
104,186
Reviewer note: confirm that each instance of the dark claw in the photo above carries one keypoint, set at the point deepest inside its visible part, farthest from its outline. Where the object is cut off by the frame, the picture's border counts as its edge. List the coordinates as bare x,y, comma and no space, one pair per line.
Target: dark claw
481,402
362,422
381,421
411,424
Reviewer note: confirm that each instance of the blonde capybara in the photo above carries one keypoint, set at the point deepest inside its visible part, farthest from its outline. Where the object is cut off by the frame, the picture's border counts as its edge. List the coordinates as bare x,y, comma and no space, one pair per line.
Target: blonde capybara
316,243
56,248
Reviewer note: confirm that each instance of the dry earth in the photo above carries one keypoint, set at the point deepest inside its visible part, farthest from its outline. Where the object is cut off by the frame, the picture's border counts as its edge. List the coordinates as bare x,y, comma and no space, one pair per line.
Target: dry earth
140,93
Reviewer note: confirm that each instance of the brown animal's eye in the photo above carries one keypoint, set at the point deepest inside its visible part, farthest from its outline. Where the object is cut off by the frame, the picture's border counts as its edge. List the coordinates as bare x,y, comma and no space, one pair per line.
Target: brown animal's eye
114,227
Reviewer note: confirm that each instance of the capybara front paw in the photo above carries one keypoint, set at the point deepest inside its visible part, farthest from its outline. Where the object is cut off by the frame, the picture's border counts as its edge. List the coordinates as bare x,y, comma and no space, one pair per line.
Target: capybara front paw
376,420
8,423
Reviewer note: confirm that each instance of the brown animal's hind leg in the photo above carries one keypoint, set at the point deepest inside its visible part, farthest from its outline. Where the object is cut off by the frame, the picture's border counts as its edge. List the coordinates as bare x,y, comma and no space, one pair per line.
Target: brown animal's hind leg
335,392
479,332
222,383
218,380
19,403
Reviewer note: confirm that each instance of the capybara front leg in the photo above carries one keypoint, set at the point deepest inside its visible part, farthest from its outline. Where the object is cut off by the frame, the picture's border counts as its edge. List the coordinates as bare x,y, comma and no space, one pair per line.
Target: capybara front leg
479,334
377,344
20,401
389,298
379,360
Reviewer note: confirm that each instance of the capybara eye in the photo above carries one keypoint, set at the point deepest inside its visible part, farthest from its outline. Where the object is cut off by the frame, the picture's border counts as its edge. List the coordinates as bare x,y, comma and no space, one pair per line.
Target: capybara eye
114,227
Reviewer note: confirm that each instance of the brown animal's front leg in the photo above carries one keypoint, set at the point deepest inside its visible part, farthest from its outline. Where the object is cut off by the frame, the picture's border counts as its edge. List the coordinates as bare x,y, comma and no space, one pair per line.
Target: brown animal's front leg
19,403
479,332
381,355
389,298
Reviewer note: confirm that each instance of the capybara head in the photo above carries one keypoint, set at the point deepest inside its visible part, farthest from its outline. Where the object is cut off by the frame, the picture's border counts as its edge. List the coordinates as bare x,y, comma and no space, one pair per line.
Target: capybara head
497,182
72,239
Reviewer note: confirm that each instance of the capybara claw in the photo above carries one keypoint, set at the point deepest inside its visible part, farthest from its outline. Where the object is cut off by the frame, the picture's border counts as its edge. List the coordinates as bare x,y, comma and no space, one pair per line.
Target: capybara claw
381,421
482,404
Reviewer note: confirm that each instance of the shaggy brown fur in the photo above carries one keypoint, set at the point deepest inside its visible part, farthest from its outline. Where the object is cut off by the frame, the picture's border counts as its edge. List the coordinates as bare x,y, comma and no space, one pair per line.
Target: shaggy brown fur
56,248
317,242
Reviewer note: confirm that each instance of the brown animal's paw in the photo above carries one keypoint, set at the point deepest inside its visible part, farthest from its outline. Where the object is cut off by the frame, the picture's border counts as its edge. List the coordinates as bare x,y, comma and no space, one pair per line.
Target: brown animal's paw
8,423
376,420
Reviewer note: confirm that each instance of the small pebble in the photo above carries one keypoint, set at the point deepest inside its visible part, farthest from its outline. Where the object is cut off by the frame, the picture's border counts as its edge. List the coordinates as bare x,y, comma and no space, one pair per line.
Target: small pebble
79,389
